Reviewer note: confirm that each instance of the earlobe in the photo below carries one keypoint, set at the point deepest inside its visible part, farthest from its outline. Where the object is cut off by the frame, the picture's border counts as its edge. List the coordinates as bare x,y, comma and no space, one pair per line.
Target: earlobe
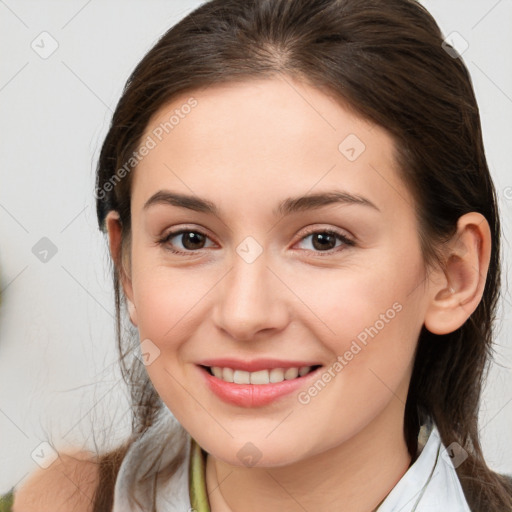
132,311
114,228
457,289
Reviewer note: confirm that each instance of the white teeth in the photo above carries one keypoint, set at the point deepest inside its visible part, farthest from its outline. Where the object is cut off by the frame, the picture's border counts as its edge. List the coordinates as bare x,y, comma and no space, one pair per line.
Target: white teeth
276,375
227,374
217,371
291,373
260,377
241,377
303,370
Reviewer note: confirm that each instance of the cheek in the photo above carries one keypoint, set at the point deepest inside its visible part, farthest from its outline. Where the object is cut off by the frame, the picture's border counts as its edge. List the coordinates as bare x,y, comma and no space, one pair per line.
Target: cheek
170,307
371,323
371,330
363,302
167,301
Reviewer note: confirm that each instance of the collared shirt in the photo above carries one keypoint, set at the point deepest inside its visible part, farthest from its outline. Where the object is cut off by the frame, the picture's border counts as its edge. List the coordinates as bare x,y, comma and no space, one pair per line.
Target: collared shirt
429,485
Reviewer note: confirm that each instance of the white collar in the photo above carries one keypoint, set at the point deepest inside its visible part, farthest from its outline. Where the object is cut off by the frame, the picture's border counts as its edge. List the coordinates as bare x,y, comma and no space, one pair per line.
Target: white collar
429,485
173,494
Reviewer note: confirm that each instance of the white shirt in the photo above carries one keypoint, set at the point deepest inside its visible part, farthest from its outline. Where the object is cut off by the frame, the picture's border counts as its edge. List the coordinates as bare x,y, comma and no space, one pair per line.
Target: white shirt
429,485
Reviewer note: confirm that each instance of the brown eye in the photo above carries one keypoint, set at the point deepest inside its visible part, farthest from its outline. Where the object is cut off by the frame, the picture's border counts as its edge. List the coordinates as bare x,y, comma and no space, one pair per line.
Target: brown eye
323,241
190,241
326,240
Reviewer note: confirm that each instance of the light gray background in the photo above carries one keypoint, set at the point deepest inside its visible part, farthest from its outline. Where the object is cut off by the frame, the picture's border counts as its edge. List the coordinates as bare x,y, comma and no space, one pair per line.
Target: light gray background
58,376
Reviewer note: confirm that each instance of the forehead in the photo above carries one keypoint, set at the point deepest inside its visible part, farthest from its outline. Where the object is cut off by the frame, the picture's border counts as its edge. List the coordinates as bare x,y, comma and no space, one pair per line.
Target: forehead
265,136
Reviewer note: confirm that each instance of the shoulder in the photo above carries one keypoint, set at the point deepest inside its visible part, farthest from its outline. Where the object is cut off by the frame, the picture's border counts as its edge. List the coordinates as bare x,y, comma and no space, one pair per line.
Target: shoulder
68,484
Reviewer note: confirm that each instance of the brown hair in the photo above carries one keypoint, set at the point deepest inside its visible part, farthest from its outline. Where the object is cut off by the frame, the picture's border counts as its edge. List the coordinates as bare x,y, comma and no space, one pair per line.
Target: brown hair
386,60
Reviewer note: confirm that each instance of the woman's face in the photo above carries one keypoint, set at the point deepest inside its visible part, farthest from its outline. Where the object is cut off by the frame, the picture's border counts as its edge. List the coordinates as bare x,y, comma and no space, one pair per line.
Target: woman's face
273,270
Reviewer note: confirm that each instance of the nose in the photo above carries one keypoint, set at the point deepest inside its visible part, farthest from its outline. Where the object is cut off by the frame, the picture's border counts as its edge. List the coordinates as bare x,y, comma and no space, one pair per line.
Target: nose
251,300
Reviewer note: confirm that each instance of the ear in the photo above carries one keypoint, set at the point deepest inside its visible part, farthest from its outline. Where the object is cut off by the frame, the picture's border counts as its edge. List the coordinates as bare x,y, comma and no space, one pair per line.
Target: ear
456,290
114,228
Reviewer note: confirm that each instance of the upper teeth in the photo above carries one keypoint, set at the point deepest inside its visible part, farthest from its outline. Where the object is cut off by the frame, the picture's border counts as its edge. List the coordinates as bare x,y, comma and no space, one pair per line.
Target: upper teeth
261,377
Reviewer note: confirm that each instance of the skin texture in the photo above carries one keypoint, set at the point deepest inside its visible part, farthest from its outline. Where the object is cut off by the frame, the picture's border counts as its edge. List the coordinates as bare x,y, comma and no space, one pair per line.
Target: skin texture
67,484
246,147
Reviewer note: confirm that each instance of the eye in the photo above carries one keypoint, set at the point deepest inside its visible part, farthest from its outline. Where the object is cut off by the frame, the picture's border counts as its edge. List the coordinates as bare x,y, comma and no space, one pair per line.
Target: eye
190,240
324,240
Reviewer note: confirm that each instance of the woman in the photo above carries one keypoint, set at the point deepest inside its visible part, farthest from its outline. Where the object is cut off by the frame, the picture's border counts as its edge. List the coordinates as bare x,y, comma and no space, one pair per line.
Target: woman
304,232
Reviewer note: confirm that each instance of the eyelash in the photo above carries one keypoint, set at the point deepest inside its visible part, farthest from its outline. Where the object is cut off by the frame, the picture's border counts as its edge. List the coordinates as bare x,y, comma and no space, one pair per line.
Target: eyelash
343,238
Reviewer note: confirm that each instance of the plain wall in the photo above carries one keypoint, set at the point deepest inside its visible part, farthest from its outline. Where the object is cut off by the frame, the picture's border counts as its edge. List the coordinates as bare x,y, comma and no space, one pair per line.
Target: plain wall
58,377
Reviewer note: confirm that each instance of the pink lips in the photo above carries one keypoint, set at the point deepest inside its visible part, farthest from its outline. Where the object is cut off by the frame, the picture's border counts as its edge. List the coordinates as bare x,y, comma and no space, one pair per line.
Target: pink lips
254,395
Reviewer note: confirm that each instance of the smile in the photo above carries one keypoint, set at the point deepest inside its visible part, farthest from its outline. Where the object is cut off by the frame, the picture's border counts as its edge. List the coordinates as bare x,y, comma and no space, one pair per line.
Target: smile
273,375
259,388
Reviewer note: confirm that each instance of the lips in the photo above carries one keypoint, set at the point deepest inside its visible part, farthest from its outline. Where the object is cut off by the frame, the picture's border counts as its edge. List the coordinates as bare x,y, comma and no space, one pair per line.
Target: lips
256,395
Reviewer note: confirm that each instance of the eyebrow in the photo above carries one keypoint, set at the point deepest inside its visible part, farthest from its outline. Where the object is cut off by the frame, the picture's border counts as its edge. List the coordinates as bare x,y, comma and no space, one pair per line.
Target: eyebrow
286,207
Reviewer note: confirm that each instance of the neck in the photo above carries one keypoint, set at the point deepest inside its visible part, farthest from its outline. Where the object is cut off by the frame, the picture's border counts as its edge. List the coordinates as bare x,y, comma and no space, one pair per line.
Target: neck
354,476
